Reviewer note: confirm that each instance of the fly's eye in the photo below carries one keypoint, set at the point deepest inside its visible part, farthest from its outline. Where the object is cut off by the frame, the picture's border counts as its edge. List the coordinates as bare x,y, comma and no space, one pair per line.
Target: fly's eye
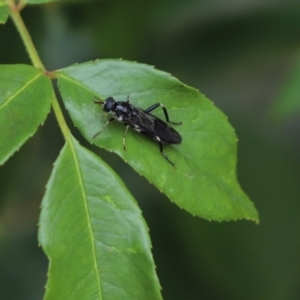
108,104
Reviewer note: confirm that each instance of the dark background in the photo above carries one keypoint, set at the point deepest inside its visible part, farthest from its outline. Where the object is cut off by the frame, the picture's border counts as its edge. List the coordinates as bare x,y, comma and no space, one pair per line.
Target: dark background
239,54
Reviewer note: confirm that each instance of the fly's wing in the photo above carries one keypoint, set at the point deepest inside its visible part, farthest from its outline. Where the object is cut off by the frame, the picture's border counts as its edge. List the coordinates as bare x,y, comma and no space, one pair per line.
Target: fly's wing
166,133
154,128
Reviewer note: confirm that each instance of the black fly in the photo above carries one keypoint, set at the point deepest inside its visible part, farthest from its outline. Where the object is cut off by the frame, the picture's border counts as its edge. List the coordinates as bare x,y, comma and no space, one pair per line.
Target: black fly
142,121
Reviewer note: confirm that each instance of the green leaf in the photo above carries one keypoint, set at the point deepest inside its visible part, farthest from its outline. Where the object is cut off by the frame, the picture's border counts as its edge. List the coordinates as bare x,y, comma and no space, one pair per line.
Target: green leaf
93,233
39,1
25,98
4,11
204,182
288,101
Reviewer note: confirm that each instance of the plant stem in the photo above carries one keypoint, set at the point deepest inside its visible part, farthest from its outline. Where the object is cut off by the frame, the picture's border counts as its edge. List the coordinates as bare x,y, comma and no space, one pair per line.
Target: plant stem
18,21
36,61
60,119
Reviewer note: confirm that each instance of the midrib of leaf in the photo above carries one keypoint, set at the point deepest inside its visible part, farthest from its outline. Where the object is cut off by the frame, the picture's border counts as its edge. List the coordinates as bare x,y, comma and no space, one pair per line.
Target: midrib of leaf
70,142
75,82
19,91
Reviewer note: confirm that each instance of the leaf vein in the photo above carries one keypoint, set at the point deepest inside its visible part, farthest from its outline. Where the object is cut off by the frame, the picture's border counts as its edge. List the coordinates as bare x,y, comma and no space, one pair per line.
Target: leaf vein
9,99
84,197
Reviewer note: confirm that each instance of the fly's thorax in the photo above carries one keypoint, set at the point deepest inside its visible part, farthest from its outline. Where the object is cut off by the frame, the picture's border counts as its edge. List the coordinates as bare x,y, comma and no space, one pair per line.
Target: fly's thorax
123,111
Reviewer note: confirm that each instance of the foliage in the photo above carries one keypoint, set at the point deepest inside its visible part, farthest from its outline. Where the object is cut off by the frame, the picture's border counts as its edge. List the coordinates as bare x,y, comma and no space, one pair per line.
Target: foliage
90,226
288,102
3,11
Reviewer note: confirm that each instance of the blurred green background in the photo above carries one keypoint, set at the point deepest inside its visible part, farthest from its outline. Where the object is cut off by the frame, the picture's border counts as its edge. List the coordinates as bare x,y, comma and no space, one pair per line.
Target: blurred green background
241,55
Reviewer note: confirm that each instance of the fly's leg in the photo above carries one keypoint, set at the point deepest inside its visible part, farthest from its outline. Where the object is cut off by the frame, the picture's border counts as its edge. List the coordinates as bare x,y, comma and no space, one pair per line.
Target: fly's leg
154,106
165,155
127,126
110,120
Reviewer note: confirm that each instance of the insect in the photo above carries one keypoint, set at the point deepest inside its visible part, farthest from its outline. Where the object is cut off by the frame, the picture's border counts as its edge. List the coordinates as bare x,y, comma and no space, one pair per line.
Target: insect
142,121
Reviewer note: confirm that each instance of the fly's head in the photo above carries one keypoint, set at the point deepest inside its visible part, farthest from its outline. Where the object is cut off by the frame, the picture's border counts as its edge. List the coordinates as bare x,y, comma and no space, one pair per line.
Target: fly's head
108,104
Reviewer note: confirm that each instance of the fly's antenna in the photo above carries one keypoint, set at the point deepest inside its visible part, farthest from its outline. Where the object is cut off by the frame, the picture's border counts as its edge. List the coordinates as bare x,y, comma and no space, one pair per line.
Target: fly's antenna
98,101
